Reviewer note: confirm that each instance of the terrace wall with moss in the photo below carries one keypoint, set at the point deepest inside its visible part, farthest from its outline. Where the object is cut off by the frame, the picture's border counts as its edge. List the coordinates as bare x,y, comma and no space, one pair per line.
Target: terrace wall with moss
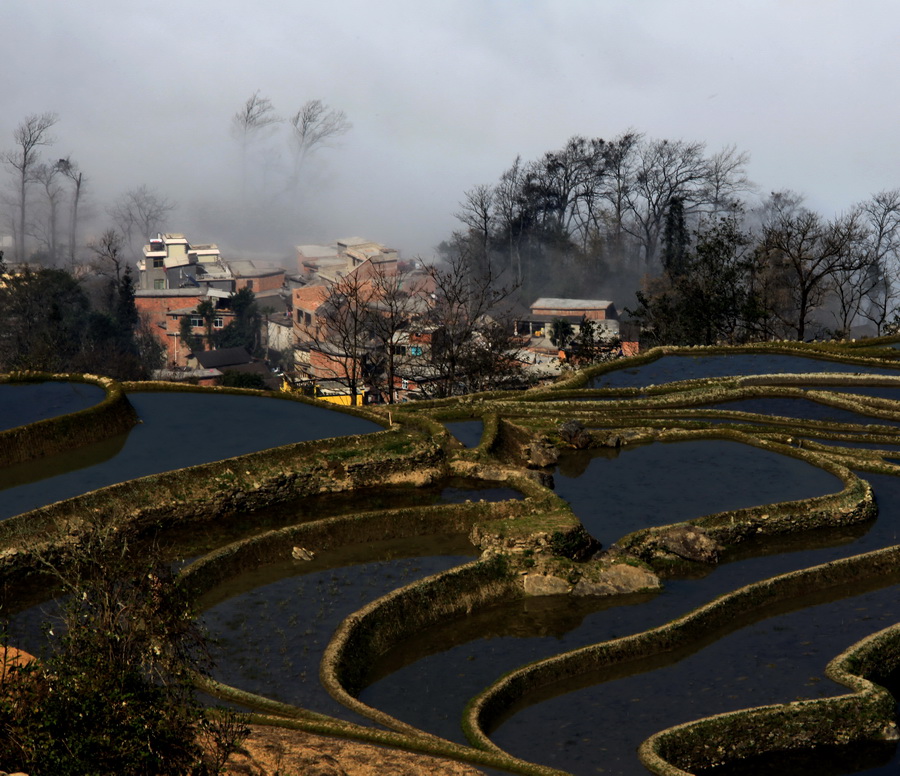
113,415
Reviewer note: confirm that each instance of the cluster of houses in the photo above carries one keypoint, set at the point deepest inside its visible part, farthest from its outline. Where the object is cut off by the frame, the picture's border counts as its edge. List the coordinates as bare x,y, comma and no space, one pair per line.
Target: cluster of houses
175,277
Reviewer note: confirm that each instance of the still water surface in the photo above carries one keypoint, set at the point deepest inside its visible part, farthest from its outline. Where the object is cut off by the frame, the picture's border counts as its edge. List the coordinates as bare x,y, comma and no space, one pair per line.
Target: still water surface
22,403
176,430
672,368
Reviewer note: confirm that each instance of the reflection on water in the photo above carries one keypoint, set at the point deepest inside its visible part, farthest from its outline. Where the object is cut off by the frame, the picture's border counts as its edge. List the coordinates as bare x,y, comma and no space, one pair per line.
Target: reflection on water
799,408
23,403
659,484
467,431
185,429
271,626
672,368
776,660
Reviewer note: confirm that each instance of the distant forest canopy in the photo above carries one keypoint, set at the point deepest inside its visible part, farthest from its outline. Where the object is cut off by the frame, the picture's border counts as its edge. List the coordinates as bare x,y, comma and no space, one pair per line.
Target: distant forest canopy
713,261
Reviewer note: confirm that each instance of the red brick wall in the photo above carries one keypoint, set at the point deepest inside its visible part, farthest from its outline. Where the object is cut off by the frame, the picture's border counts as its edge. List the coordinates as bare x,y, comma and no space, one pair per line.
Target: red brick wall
260,284
326,367
156,308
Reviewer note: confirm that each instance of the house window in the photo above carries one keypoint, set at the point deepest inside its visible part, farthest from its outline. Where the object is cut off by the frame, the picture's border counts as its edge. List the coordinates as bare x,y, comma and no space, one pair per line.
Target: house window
218,323
250,284
404,384
196,320
158,262
159,284
307,319
415,350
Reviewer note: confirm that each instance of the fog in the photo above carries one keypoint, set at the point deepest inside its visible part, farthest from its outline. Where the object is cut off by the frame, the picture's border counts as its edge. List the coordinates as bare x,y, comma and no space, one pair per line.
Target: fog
442,97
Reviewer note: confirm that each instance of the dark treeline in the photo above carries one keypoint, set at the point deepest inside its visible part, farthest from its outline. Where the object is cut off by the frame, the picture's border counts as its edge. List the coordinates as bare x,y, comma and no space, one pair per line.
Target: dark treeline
50,321
674,235
589,218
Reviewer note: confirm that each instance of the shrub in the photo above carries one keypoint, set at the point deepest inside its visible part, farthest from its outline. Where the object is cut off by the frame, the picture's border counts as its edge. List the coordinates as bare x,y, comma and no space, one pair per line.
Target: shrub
114,693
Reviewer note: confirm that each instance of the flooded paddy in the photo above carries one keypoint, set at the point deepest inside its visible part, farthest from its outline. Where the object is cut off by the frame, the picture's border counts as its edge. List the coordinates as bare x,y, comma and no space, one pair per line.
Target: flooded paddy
23,403
614,493
601,721
802,409
269,628
176,430
271,625
468,432
672,368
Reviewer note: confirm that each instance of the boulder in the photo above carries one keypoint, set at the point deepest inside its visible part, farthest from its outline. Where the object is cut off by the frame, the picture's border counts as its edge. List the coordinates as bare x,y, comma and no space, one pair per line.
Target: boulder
616,579
689,542
540,584
542,454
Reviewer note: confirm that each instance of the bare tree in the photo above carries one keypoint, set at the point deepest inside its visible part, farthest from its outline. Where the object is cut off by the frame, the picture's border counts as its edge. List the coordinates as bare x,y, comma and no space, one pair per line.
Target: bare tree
30,135
808,252
256,116
882,216
664,169
477,213
470,342
726,182
395,301
70,169
139,213
340,332
507,212
312,127
46,230
107,250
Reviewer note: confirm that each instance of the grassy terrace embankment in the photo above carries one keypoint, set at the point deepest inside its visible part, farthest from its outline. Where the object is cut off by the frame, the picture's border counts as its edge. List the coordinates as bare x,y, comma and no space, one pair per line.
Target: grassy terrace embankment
416,450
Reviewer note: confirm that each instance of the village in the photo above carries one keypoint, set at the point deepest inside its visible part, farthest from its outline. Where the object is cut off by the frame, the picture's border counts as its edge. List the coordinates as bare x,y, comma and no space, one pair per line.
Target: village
354,323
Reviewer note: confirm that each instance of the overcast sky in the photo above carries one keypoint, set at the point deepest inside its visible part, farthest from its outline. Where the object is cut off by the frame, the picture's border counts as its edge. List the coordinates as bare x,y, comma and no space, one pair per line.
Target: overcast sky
443,95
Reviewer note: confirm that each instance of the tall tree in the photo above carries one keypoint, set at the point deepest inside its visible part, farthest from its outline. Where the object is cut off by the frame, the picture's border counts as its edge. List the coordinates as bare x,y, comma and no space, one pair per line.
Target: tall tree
807,252
23,159
314,125
664,169
882,217
342,331
712,298
244,328
46,230
675,239
255,117
70,169
394,302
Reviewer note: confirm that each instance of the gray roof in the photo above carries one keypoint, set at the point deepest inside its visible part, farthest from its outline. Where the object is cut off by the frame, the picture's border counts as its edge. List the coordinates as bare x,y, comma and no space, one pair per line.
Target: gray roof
171,292
558,303
223,357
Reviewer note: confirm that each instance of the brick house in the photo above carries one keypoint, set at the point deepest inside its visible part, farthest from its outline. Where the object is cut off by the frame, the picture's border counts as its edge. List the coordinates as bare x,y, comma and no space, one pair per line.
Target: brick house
164,308
547,309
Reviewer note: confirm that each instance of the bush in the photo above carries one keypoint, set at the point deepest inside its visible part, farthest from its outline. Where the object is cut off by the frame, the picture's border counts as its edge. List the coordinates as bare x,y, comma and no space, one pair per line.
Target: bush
114,694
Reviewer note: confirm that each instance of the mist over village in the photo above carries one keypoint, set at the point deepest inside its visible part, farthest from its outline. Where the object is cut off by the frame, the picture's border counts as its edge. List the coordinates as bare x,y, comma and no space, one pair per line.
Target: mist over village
459,388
